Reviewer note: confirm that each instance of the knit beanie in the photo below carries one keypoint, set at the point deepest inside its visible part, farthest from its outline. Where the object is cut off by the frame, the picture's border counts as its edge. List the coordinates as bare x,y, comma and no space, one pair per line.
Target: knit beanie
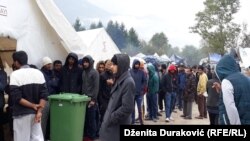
46,61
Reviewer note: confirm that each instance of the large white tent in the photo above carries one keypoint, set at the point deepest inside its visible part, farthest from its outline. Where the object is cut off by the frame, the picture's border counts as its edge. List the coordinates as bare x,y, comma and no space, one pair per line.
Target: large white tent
37,27
99,44
245,57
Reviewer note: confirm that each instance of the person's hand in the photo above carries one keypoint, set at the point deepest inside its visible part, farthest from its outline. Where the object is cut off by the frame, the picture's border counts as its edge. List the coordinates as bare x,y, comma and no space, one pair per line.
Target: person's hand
217,86
35,106
110,82
91,103
38,117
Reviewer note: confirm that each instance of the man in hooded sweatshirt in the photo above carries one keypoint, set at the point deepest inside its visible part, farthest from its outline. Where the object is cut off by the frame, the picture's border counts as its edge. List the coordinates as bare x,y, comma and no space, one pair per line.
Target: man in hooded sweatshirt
170,87
90,87
71,80
235,100
140,82
121,103
153,88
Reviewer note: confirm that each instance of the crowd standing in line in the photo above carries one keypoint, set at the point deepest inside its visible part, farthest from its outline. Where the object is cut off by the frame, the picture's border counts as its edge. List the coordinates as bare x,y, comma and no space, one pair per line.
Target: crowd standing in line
222,93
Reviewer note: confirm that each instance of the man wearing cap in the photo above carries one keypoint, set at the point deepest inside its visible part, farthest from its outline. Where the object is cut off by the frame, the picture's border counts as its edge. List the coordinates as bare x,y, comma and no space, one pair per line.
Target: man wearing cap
28,92
52,83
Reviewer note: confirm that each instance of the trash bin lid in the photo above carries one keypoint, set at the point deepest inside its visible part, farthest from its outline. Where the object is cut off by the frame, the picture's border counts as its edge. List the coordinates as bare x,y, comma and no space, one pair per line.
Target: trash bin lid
69,97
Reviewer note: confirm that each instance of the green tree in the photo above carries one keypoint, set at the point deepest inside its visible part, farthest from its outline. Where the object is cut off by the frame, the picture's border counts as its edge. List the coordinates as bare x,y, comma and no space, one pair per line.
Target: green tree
159,40
133,39
78,26
118,33
93,26
192,55
215,24
99,25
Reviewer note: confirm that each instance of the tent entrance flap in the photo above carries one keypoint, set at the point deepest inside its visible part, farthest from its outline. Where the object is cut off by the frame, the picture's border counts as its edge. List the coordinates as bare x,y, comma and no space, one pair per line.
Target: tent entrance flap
7,48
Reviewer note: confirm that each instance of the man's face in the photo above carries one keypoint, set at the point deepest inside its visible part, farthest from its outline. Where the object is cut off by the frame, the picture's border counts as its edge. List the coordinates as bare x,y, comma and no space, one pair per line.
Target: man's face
200,71
101,68
188,71
172,71
137,66
71,61
85,64
57,67
114,68
16,65
48,66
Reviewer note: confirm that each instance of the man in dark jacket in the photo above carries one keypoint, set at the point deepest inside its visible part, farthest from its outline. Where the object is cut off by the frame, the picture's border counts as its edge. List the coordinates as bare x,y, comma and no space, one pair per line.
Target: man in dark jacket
121,104
57,72
28,92
3,84
140,82
90,87
161,91
189,94
213,101
235,100
181,86
71,80
106,83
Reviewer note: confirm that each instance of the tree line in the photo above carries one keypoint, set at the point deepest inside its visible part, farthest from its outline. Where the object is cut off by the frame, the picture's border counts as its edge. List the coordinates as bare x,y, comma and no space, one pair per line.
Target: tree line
214,24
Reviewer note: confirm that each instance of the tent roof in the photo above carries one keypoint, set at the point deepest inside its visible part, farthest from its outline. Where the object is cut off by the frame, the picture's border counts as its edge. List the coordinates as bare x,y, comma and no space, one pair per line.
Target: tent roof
99,44
140,55
40,29
164,56
89,36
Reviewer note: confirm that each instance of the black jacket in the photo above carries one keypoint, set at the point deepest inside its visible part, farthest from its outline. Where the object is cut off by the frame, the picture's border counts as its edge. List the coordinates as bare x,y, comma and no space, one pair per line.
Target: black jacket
90,78
3,84
71,80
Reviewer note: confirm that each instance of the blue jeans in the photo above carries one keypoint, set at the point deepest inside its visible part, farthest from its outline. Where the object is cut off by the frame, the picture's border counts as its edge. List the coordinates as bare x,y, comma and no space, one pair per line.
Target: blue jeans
92,122
152,105
138,100
169,98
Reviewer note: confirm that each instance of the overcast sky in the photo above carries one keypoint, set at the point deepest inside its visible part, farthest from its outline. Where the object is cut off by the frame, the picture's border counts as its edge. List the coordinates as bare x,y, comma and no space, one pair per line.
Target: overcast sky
173,17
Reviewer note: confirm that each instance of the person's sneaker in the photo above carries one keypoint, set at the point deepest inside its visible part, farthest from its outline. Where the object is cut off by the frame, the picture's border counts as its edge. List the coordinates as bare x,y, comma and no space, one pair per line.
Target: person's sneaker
154,119
162,111
187,118
167,120
199,117
183,116
159,114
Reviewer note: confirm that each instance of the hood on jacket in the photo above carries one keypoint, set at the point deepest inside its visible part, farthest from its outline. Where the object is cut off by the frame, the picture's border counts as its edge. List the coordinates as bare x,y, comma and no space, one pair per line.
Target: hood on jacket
226,66
74,56
172,67
151,69
122,61
136,62
89,59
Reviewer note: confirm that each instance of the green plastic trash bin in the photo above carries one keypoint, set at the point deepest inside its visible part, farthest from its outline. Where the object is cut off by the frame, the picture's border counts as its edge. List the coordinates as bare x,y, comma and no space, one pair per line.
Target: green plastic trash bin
67,116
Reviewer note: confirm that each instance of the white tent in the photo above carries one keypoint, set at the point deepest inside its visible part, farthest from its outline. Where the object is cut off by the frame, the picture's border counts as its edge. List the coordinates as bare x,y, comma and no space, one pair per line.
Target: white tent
99,44
156,55
164,56
37,27
140,55
245,57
